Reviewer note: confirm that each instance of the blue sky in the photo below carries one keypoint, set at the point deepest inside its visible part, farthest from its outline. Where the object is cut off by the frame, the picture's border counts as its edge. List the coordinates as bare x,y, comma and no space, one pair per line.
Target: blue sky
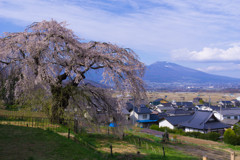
203,35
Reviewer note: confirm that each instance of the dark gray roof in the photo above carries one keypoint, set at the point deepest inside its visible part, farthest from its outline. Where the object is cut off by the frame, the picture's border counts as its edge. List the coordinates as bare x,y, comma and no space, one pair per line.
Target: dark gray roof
227,102
200,120
166,108
129,106
154,117
230,121
215,108
176,120
187,104
167,104
125,111
230,111
162,114
142,109
179,111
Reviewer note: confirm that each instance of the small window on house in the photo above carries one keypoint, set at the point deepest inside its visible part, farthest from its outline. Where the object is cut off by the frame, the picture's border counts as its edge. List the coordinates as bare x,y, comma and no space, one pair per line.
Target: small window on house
144,116
235,117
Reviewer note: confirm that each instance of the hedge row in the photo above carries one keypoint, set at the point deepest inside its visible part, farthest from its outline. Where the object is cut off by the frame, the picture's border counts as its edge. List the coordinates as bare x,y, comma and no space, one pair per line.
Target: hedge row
209,136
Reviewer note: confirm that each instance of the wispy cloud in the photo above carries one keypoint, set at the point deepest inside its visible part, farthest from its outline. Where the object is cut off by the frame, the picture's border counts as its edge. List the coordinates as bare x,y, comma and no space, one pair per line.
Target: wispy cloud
149,26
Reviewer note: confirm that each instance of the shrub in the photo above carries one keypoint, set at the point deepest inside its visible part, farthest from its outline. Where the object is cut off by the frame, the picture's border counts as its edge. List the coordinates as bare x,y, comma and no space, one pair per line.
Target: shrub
193,134
154,127
213,136
230,137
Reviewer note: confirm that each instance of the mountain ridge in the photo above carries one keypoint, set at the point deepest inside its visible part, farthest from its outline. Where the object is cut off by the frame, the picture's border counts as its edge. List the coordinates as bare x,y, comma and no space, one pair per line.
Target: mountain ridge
168,72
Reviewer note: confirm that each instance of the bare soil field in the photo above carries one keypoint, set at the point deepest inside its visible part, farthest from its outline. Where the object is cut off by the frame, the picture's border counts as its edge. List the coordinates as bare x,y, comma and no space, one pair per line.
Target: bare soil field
188,96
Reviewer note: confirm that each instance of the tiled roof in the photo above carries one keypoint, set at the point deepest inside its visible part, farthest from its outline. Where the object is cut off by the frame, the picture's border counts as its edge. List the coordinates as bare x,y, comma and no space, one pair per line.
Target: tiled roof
154,117
200,121
165,108
230,121
142,109
129,106
230,112
125,111
176,120
185,104
179,111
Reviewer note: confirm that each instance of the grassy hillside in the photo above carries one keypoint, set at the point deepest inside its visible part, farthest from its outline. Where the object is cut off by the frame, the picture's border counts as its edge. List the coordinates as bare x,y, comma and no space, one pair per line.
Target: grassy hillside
24,143
34,144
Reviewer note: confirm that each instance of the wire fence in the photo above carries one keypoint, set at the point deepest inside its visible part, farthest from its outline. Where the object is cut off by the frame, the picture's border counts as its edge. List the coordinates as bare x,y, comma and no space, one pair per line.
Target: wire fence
37,122
73,126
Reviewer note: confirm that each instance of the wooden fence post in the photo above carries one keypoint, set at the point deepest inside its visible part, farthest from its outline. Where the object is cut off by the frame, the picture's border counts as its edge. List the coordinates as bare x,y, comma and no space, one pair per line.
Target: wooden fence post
163,151
139,142
68,133
75,125
111,150
232,156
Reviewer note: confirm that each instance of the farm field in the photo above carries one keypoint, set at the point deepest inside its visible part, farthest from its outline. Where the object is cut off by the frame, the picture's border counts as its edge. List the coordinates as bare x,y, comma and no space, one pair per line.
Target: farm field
188,96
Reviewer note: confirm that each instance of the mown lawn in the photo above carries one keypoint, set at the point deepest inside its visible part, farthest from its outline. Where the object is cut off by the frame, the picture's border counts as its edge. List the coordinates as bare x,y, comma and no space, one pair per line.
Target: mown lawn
25,143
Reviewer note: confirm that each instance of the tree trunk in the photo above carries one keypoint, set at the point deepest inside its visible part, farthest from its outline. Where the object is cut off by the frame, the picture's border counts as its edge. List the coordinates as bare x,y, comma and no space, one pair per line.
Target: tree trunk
61,97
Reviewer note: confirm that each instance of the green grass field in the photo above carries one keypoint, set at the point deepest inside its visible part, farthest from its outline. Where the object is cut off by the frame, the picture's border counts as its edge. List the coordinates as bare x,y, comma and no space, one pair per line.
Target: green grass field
25,143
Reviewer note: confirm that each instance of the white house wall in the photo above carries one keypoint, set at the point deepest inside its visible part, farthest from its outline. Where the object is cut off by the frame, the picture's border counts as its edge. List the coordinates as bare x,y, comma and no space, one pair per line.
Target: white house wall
140,117
165,123
193,130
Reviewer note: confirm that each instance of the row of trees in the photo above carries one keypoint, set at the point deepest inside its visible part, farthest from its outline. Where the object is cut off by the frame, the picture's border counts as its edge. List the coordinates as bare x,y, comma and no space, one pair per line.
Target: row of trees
49,58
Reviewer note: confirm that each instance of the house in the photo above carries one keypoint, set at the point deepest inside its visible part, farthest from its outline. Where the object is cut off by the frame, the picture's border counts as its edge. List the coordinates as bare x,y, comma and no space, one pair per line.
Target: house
143,116
129,106
189,106
203,121
126,113
173,121
230,122
203,107
158,101
163,109
178,112
228,113
225,104
197,100
235,102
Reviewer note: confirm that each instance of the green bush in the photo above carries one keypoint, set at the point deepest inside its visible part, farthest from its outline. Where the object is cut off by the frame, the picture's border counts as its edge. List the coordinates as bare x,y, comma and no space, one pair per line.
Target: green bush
209,136
193,134
213,136
231,138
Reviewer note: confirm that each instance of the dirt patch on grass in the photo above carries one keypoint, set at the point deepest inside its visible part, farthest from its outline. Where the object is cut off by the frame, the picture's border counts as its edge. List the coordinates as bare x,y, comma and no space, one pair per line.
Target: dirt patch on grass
117,147
200,151
193,140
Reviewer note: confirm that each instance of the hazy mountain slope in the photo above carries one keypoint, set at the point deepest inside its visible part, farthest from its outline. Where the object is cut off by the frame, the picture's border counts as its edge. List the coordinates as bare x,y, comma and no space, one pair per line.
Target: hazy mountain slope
166,72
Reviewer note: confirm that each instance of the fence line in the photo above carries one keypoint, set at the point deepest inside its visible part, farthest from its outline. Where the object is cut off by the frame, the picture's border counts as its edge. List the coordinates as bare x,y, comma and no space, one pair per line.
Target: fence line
36,122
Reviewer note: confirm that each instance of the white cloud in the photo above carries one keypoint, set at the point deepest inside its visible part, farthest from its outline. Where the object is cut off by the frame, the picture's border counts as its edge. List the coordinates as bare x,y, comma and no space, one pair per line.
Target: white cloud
220,68
151,27
209,54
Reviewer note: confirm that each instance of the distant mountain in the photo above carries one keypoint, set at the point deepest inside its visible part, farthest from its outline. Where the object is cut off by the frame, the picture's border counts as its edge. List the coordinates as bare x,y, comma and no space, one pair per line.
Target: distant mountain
166,72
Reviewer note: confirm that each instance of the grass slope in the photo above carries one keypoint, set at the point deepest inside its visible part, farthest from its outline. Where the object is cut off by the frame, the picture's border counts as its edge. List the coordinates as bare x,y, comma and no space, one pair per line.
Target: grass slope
36,144
25,143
